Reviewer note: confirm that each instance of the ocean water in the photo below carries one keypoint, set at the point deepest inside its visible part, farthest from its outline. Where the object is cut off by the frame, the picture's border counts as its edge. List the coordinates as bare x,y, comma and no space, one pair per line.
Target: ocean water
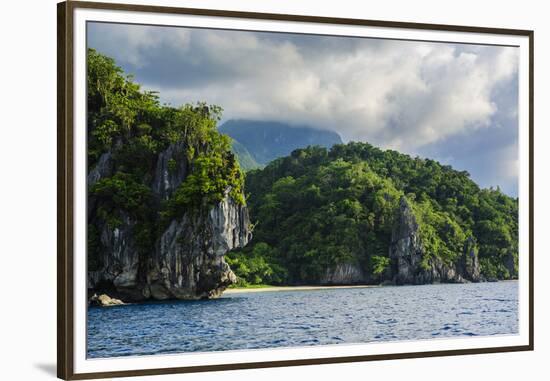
300,318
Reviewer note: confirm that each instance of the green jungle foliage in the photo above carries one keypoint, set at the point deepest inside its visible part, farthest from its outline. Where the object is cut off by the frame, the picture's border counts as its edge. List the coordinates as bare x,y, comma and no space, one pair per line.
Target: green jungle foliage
317,208
132,125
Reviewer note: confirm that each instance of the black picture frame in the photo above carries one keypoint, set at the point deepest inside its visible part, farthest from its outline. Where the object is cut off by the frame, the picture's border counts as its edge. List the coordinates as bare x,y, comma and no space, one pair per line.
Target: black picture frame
65,195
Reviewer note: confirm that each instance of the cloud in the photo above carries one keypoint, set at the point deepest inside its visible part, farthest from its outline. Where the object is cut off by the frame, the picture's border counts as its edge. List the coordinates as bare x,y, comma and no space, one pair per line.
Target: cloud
405,95
130,44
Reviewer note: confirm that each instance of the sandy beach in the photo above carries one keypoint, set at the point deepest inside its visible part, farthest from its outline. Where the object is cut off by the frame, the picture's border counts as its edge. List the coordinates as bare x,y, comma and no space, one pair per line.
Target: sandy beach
289,288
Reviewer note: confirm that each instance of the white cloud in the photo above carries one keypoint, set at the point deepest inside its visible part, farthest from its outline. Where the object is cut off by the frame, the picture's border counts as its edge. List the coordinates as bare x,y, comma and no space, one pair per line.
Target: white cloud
398,94
395,94
131,43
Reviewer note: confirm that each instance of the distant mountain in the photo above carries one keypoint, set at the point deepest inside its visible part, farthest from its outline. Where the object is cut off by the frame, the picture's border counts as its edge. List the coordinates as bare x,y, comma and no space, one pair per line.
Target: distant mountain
266,141
244,157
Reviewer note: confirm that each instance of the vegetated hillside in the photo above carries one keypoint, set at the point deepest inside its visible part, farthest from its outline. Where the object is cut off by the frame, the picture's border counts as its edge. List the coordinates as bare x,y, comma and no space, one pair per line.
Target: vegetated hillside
246,161
165,193
266,141
358,214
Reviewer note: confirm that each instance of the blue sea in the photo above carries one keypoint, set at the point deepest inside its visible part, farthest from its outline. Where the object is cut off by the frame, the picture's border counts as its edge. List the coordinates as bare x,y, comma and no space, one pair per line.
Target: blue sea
299,318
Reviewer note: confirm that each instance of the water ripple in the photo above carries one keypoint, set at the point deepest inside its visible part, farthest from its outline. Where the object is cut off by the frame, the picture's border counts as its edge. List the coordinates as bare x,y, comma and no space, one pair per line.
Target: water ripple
300,318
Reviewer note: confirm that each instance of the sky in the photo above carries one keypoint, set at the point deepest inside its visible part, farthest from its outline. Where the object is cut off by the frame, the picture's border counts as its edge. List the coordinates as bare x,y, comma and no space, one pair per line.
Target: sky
455,103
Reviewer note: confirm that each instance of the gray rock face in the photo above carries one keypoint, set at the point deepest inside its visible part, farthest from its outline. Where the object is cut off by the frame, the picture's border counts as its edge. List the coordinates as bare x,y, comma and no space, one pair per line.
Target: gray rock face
407,251
187,260
344,273
103,168
119,261
468,264
189,263
511,265
171,170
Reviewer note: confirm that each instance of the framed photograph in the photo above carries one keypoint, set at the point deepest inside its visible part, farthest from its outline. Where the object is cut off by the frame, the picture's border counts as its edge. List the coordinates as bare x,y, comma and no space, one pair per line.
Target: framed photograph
243,190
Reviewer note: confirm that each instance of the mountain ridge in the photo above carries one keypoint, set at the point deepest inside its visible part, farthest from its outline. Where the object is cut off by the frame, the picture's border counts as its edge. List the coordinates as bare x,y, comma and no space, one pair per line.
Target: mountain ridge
265,141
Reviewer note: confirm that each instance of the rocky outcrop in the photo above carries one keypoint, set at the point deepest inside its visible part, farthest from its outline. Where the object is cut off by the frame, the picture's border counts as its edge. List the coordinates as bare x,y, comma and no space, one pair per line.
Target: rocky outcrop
468,263
406,249
119,260
407,253
343,274
510,263
104,300
187,260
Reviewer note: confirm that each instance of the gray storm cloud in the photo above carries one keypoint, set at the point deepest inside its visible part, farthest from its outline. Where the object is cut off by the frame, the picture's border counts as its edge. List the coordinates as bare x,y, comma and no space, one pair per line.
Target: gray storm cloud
417,97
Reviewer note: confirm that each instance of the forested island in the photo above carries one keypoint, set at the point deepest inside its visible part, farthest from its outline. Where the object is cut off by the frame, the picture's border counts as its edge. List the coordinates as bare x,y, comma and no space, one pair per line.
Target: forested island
359,214
171,214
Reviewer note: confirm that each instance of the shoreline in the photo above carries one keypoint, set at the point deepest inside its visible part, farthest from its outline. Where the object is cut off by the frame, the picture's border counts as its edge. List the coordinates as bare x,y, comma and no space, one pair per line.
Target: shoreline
104,300
107,301
241,290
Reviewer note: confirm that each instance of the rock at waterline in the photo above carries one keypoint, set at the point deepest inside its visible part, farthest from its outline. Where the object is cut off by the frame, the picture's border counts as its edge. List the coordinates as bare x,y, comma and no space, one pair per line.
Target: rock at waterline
105,300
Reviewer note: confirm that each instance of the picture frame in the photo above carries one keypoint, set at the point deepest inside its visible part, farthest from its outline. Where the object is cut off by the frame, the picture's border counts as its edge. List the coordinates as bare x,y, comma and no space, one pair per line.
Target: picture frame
71,259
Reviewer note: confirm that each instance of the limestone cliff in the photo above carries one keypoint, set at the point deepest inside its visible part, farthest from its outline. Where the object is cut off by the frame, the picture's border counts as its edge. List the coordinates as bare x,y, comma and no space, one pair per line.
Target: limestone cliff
189,263
407,253
407,264
186,259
